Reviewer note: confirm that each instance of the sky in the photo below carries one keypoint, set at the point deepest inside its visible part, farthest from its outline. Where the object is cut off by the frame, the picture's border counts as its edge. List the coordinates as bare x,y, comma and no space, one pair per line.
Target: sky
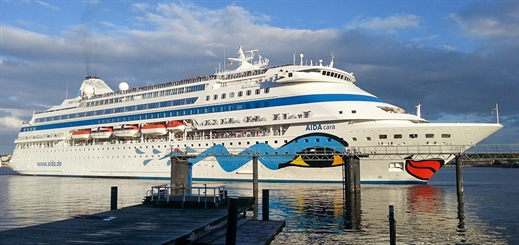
457,58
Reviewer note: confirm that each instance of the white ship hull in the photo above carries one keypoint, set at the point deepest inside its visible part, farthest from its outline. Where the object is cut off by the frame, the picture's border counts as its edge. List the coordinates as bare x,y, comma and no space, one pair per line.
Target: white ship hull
151,159
230,114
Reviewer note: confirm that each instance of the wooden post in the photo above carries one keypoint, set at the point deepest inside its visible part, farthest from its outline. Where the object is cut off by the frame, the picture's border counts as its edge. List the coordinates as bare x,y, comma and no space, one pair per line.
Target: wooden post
179,173
459,192
173,171
356,169
232,221
459,176
351,177
265,204
255,185
113,198
392,225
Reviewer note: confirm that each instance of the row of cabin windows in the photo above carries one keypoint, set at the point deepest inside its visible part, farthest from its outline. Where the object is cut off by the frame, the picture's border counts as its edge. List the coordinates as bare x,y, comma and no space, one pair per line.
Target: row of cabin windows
335,75
240,94
155,105
411,136
194,88
173,113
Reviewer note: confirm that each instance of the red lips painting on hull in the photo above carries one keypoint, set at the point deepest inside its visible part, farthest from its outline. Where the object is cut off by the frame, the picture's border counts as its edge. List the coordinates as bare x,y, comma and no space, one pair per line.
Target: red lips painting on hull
423,169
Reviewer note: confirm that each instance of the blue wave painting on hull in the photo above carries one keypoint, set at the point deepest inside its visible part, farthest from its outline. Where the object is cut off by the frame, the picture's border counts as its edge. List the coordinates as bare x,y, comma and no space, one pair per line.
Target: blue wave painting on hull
283,154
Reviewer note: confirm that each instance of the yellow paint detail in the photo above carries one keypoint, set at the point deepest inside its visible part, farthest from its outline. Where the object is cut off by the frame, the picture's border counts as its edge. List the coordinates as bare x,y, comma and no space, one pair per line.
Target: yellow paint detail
337,160
300,162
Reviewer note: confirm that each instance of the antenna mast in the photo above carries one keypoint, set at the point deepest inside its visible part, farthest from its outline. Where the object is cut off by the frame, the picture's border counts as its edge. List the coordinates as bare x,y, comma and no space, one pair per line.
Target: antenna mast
66,92
497,113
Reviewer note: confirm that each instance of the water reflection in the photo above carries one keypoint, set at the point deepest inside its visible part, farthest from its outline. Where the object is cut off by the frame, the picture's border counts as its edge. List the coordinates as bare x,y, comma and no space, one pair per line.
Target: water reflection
315,213
352,211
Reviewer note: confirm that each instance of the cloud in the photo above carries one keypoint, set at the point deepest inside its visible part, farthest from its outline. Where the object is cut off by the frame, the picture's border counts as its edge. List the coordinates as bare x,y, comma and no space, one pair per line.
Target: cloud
44,4
165,42
10,123
391,23
107,24
141,6
10,120
489,20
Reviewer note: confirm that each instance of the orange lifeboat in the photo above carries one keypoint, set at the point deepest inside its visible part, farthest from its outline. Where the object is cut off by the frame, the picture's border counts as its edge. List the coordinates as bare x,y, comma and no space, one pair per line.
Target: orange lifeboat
176,126
81,134
102,132
154,129
127,131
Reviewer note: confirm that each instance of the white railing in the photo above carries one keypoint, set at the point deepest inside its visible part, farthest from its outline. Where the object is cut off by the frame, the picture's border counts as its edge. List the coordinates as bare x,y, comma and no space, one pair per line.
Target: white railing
199,193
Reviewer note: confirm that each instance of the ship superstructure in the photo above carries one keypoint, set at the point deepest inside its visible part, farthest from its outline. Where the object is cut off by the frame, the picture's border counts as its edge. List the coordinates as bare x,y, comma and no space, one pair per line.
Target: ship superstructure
279,111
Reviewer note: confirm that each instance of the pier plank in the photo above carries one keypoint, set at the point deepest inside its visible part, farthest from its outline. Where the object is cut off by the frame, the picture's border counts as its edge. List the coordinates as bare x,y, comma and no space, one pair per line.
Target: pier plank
249,232
140,224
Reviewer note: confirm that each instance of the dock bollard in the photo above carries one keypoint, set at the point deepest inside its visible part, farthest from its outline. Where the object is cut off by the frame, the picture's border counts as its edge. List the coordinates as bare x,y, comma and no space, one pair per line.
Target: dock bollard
265,204
392,225
232,221
113,198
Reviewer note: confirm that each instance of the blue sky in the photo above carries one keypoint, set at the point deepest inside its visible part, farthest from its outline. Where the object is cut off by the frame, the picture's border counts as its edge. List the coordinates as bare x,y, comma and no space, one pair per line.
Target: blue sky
457,58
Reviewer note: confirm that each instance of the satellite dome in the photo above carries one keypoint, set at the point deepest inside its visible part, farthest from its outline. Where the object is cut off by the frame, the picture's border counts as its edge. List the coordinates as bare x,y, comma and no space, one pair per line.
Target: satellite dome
123,86
89,91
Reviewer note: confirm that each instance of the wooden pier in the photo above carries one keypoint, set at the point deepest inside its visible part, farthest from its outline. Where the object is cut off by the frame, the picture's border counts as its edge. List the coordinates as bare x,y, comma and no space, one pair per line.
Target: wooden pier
145,224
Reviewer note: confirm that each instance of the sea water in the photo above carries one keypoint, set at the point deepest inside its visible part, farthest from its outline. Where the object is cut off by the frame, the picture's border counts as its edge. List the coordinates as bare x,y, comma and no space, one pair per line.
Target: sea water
314,212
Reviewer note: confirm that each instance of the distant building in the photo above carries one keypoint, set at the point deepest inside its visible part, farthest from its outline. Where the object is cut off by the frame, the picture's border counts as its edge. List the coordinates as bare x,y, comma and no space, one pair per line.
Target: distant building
5,159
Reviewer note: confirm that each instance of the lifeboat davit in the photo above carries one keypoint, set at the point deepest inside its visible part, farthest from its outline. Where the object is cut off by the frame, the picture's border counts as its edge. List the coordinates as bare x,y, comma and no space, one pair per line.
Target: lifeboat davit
102,132
154,129
127,131
81,134
176,126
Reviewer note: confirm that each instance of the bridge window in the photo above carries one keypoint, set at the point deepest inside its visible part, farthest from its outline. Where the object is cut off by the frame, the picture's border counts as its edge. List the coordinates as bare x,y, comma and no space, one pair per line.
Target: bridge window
382,136
207,97
429,135
413,136
267,90
258,91
223,96
249,92
397,136
240,93
231,95
446,135
215,97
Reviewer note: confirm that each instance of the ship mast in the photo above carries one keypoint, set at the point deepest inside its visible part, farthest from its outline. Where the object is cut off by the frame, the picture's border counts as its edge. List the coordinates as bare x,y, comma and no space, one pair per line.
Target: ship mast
497,113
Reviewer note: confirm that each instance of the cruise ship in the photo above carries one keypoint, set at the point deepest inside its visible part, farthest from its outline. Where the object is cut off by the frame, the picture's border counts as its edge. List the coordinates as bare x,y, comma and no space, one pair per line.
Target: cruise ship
283,114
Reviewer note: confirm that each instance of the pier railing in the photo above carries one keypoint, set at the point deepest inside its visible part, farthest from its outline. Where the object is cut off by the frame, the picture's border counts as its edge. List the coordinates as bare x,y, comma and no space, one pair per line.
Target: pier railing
183,193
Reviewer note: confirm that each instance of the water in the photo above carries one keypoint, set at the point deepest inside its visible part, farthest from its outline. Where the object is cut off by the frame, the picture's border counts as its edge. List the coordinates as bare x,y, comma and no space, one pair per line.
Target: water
425,214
